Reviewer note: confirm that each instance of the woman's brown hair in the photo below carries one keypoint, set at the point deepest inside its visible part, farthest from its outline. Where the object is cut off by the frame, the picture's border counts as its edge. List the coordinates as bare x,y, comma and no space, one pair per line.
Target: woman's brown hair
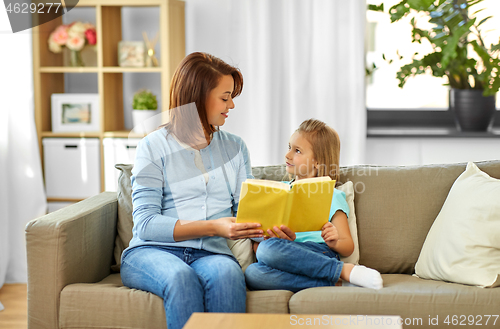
325,144
197,74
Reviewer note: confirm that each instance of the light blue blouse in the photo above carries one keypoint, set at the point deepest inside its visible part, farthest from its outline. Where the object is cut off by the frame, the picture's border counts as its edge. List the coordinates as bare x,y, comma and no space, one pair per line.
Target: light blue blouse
167,186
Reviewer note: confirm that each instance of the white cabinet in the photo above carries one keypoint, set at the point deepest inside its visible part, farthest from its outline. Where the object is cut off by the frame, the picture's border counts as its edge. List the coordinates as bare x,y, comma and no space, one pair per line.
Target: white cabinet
72,167
426,150
117,150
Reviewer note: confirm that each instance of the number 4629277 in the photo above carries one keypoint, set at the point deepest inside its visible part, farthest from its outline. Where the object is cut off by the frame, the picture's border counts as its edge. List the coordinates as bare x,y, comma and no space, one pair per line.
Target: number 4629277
39,8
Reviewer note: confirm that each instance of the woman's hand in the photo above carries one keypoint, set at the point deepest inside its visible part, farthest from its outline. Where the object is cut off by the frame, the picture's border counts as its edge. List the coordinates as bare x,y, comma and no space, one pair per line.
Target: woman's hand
282,232
330,234
227,227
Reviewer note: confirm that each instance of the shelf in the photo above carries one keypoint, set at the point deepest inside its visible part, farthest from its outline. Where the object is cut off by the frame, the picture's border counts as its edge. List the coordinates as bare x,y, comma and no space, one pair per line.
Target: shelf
65,69
117,69
426,132
102,74
80,134
95,69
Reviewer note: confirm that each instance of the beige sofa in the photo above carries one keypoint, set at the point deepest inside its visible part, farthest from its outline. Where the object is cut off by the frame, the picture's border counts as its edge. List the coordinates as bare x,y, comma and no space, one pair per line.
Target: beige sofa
70,254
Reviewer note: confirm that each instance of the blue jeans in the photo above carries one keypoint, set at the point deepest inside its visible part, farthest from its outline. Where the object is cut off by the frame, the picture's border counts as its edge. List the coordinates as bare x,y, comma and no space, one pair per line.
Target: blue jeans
290,265
189,280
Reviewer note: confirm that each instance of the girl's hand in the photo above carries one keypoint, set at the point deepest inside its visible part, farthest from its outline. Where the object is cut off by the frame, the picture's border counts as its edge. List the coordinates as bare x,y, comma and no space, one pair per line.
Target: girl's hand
227,227
330,234
282,232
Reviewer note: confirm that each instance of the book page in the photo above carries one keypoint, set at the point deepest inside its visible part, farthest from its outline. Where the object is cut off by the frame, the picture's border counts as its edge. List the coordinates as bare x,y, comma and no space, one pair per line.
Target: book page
262,204
310,206
311,180
270,183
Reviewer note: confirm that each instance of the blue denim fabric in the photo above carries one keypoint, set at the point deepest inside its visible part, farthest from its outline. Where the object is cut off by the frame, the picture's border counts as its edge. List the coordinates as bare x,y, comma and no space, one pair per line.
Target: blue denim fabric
189,280
290,265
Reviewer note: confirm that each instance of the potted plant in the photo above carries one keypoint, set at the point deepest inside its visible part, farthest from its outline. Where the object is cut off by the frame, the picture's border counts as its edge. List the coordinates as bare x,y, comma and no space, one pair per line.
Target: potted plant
458,53
144,110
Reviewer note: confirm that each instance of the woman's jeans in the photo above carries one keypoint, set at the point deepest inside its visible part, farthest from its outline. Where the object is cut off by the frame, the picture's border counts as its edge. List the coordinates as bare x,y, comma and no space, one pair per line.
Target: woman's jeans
189,280
290,265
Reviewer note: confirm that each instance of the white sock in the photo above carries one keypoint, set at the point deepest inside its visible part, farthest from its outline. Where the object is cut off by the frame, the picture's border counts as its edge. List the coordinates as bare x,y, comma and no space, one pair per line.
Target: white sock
1,307
366,277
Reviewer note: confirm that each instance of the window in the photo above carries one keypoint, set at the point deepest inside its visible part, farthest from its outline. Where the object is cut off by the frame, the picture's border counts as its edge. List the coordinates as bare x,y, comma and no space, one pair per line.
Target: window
422,92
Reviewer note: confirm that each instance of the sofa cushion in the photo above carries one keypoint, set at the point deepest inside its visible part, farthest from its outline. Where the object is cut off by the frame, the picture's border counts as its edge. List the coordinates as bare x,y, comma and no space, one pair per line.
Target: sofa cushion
463,244
348,189
396,206
109,304
125,223
404,295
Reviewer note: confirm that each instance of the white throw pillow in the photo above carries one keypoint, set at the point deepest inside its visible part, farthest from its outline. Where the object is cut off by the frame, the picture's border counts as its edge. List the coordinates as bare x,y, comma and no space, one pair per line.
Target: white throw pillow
242,250
348,189
463,244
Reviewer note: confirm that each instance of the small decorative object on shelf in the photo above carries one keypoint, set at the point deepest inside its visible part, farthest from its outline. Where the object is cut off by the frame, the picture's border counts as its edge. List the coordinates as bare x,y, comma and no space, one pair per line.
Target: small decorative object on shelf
144,112
75,112
131,53
75,37
151,59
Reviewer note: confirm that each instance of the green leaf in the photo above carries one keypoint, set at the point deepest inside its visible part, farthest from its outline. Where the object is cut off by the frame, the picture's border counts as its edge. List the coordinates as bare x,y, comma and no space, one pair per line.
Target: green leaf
478,11
495,47
493,88
484,20
449,51
376,8
473,3
399,10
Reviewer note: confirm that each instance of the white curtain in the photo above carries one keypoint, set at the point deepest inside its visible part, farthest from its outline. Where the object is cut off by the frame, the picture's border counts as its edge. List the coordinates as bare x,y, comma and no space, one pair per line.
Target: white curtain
22,195
300,59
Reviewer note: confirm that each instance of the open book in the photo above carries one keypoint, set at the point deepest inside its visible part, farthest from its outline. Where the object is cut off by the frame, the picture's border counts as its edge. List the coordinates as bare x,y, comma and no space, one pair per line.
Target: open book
303,205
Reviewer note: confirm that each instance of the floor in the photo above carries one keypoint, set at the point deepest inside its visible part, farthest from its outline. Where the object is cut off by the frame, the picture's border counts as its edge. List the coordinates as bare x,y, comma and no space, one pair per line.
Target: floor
14,299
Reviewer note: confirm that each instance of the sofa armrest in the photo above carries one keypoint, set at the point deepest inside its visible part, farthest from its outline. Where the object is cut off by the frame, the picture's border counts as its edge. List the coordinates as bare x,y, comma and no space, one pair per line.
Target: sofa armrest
71,245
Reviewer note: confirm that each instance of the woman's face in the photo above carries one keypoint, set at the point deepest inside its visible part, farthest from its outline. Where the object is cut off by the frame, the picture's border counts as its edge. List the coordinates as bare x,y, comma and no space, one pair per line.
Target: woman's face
219,101
300,157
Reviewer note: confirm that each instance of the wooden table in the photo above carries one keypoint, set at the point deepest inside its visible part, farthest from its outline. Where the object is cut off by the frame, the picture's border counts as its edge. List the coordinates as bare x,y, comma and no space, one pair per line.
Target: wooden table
284,321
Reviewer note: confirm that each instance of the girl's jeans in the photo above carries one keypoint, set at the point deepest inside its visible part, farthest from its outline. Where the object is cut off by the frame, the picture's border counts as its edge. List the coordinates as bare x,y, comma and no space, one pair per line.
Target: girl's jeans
290,265
189,280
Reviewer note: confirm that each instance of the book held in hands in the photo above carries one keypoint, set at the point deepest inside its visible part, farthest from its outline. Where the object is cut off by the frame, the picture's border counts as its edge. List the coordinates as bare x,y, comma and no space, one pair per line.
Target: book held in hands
303,205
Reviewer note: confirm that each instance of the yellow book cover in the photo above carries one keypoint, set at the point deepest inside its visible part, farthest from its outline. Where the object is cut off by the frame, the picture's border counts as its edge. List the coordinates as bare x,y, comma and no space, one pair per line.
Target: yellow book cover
303,205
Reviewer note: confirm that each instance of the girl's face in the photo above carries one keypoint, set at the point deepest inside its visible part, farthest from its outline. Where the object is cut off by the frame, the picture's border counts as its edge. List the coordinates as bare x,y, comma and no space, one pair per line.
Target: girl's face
300,158
219,101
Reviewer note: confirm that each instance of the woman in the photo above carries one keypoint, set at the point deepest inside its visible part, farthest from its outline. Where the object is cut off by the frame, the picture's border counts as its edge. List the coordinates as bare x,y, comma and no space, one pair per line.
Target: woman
185,188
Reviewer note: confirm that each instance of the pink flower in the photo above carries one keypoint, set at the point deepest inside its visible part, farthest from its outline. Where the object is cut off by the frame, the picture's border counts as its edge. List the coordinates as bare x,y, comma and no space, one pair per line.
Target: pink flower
60,35
75,42
54,46
91,36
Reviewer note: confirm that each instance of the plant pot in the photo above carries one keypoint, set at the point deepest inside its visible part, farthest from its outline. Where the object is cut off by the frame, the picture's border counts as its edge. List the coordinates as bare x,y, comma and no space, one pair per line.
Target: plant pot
472,110
145,121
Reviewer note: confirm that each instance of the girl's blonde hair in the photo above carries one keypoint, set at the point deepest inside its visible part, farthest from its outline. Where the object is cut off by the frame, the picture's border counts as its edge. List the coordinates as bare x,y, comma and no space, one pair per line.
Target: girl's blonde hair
325,144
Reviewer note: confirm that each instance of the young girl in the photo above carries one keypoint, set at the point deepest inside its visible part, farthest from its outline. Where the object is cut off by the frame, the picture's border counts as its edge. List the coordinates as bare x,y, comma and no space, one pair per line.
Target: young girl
295,261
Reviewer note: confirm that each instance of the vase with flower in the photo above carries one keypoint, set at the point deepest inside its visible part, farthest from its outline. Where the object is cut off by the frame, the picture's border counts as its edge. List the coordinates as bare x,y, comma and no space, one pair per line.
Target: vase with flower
75,37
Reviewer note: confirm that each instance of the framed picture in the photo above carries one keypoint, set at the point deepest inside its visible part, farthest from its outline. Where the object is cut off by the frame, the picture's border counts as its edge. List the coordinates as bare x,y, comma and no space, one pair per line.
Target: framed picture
75,112
131,53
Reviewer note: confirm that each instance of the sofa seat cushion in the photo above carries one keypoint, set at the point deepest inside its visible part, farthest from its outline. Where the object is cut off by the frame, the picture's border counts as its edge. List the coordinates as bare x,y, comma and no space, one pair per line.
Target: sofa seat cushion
404,295
109,304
